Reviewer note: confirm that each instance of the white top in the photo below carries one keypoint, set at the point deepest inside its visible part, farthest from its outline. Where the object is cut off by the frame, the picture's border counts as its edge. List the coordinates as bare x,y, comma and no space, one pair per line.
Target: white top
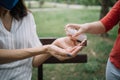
22,35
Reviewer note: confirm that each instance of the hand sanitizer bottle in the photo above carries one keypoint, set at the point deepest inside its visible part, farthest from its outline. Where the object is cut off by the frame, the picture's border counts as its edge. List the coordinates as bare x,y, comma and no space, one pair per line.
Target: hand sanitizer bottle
80,37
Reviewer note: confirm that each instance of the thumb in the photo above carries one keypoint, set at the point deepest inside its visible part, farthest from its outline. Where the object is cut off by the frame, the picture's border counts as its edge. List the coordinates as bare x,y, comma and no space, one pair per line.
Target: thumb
78,33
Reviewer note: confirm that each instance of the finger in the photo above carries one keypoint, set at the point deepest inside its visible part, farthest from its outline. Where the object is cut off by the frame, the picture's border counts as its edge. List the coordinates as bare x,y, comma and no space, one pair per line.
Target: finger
71,26
74,26
58,50
71,49
83,43
57,56
68,34
64,54
75,52
67,55
61,58
78,33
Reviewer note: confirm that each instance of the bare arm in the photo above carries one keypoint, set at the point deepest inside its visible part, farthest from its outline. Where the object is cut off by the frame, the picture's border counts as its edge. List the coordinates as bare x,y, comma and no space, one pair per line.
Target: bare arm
39,59
7,56
93,28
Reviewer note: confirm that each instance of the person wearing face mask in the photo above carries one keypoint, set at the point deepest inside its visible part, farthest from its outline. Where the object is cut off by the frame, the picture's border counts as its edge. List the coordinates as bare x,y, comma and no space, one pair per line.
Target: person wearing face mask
20,48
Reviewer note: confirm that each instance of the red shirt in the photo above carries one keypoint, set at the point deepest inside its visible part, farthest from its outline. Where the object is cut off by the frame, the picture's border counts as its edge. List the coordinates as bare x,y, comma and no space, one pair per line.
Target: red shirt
110,20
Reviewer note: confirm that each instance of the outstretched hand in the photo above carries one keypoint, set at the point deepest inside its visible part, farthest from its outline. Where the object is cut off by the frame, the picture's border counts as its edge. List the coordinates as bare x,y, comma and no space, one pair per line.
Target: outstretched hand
71,47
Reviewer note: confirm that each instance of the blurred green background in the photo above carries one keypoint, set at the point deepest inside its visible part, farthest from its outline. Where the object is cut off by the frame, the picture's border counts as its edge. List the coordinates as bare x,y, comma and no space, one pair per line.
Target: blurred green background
50,21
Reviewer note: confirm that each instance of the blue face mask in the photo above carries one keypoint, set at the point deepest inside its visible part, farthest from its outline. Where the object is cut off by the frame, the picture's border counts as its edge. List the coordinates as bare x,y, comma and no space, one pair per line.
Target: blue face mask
8,4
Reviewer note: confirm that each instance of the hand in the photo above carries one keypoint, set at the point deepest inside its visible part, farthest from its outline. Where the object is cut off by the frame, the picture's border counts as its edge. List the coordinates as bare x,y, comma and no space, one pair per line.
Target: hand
80,29
68,45
57,52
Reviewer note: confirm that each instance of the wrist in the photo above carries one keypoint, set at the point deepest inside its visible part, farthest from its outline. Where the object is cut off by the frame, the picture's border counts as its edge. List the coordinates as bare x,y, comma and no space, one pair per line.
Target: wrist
46,48
40,50
85,27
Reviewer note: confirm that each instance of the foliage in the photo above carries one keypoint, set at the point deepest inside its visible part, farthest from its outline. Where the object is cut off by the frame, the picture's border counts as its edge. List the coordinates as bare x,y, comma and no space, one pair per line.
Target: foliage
83,2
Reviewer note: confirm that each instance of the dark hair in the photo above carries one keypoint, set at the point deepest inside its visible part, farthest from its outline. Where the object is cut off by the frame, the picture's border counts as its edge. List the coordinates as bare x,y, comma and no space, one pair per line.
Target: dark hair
19,11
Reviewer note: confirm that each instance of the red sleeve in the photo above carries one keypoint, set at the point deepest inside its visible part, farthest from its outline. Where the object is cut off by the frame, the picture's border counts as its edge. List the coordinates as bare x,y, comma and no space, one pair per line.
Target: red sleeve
112,18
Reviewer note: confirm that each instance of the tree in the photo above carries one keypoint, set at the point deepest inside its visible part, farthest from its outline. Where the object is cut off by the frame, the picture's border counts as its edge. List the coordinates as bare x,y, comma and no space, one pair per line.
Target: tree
41,2
103,12
105,4
29,4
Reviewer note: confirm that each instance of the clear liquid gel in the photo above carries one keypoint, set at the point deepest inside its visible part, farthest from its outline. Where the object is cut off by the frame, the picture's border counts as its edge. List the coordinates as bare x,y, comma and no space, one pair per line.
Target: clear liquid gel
80,37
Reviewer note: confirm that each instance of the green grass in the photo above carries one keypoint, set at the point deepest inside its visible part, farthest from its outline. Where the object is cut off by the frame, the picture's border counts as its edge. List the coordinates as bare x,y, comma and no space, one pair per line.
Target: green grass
51,24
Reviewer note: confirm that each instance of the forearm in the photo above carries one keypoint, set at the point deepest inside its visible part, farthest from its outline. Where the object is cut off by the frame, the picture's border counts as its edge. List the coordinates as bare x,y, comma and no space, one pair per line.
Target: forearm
94,27
7,56
39,59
